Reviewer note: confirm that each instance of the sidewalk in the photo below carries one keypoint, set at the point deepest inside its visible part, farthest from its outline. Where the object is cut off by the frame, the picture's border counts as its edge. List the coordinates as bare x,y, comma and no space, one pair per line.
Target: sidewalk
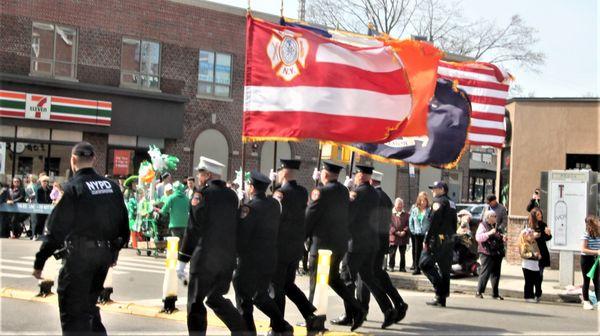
511,282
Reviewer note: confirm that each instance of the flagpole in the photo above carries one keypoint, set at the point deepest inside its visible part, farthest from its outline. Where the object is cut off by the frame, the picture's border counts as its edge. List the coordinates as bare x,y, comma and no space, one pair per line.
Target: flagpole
351,164
319,162
274,163
243,165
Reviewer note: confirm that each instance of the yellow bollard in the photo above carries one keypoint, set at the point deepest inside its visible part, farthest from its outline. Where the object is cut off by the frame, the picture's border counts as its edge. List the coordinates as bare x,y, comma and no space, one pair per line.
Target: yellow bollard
322,283
170,282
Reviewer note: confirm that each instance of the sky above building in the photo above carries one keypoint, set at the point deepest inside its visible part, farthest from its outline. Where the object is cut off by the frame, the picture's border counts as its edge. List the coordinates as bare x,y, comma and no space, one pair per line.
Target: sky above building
568,31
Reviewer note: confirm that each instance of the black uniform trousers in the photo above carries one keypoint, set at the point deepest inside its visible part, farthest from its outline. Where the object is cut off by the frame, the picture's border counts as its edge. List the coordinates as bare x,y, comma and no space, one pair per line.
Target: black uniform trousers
80,281
363,264
210,285
284,285
335,282
252,289
491,267
439,276
383,279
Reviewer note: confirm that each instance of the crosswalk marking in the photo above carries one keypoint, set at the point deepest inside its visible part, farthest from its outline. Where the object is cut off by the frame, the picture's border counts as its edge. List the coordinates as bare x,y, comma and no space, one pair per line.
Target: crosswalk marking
14,275
142,260
132,264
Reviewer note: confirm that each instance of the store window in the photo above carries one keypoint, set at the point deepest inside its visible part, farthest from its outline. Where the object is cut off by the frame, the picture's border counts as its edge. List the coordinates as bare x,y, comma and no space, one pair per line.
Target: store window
53,50
140,64
214,75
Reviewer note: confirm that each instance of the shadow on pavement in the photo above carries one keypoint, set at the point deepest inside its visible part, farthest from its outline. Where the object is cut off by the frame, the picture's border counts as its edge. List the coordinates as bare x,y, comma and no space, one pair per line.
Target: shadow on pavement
434,328
496,311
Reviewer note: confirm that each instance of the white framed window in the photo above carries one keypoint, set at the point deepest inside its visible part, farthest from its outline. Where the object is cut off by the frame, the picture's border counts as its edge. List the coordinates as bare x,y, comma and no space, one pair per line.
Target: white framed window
53,50
140,63
214,74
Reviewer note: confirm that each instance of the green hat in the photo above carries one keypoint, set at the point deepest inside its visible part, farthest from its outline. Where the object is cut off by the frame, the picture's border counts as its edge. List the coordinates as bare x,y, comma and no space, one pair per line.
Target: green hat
130,180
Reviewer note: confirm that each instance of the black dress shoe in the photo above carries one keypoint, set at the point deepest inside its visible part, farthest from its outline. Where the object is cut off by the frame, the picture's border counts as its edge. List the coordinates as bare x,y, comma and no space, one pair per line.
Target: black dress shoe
343,320
417,272
498,297
359,319
315,323
388,318
402,270
479,295
437,302
401,312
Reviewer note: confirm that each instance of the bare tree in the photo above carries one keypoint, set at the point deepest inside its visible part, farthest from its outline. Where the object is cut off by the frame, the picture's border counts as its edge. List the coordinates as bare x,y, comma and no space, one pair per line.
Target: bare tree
440,22
387,16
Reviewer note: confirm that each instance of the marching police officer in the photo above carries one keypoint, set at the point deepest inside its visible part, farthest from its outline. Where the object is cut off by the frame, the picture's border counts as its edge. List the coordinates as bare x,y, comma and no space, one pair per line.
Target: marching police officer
363,244
290,244
257,255
327,224
209,244
88,226
384,215
437,247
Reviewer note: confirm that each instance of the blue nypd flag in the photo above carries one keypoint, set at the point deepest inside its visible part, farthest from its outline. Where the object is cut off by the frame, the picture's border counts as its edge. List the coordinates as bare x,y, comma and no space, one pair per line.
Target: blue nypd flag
447,124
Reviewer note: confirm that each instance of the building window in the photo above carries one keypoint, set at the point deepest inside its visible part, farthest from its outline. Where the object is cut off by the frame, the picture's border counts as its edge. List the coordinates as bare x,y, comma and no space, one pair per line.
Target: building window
214,75
140,61
53,50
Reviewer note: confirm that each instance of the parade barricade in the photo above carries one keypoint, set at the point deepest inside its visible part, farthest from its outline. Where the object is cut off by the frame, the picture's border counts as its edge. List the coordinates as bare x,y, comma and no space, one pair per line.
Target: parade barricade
27,208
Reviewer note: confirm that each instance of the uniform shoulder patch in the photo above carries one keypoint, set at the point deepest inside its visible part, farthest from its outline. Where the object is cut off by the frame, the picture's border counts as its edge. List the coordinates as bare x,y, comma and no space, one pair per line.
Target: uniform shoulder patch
435,206
315,194
196,198
244,211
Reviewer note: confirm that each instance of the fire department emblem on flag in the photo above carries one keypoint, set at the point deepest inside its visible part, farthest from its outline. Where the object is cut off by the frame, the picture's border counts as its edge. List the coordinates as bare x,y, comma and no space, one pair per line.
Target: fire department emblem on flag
287,51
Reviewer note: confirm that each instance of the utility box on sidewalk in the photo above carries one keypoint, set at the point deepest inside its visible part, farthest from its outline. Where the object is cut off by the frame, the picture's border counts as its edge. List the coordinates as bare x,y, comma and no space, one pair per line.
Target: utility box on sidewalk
570,195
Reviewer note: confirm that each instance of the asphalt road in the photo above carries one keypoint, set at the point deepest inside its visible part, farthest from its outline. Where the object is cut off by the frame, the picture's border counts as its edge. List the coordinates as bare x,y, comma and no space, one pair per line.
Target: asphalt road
138,279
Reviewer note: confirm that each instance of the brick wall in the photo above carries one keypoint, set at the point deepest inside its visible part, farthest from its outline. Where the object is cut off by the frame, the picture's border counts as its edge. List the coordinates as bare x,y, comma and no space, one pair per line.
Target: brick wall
100,143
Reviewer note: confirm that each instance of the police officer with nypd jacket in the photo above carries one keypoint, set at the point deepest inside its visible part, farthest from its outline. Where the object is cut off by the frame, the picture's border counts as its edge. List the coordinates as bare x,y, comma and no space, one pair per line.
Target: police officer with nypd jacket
327,224
437,246
290,244
257,255
209,245
88,227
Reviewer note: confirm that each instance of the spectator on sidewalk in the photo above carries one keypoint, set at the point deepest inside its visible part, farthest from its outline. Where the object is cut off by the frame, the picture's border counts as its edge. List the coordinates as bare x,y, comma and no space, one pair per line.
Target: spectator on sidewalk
419,224
535,200
42,197
530,256
491,252
590,250
190,184
31,188
177,206
56,193
500,210
4,216
17,195
399,235
542,235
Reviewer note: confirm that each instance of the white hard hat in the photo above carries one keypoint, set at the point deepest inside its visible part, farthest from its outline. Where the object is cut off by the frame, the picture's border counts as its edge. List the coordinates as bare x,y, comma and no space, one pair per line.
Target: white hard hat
210,165
377,176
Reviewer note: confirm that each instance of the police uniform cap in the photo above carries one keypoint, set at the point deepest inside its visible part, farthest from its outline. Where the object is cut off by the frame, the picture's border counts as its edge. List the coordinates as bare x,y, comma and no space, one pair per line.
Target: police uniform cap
165,175
83,149
259,180
364,169
377,176
290,163
439,185
210,165
332,167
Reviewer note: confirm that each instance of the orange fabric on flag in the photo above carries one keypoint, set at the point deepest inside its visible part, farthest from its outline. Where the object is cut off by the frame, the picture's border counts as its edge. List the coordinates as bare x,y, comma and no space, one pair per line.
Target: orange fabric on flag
420,60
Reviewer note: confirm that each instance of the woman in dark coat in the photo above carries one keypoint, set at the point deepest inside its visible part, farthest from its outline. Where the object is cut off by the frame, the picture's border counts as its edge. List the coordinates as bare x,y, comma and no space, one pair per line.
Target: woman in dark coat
17,195
4,216
542,235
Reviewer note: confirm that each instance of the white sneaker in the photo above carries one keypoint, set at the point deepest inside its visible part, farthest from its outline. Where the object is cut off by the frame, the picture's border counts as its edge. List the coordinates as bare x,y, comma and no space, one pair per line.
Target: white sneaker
531,300
587,305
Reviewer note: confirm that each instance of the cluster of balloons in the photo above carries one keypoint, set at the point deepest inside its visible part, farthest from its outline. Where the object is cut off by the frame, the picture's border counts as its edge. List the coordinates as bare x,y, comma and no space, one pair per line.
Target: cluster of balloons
160,164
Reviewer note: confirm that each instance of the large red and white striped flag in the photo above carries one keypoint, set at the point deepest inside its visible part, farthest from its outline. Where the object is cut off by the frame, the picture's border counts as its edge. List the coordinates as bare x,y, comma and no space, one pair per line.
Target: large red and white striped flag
485,84
300,85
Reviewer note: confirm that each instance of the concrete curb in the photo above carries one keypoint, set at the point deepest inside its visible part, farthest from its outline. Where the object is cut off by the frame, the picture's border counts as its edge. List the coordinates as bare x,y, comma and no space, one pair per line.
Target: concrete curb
147,311
420,283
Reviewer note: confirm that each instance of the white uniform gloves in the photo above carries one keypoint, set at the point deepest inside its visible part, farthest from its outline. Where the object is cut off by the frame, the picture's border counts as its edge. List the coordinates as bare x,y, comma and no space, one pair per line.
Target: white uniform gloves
348,182
316,174
272,175
182,274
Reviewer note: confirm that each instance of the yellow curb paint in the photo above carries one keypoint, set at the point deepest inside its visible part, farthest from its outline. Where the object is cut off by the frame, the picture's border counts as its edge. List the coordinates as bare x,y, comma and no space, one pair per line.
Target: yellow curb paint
148,311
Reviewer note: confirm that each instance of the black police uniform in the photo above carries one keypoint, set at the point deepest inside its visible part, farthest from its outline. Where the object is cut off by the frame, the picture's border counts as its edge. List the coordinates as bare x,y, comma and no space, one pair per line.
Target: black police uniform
384,215
209,244
327,224
257,256
363,245
290,245
439,252
91,221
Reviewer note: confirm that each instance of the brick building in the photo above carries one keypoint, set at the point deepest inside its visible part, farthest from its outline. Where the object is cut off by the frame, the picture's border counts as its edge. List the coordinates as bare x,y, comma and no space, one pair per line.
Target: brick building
125,74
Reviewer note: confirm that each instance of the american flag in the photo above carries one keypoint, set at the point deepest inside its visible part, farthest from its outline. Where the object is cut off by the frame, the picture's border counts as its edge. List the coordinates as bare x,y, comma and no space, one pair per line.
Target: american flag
485,84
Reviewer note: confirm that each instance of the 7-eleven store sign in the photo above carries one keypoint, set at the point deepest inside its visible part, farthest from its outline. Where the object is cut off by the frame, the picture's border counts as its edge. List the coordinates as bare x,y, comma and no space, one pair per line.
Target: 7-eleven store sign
22,105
